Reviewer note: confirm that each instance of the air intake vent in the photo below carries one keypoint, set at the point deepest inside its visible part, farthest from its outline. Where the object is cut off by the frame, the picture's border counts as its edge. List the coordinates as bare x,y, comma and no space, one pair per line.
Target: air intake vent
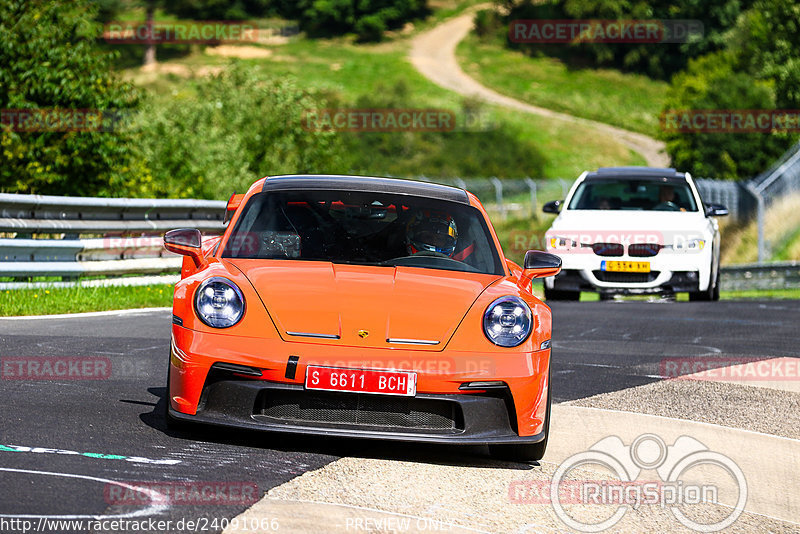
626,278
360,410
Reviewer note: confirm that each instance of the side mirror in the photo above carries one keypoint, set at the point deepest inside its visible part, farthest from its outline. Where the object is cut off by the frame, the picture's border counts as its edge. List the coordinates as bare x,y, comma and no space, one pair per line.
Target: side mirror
186,241
554,206
540,264
233,204
716,210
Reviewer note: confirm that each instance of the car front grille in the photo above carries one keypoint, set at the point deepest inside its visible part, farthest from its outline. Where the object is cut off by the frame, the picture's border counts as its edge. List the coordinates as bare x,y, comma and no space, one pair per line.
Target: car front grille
644,250
353,409
626,278
608,249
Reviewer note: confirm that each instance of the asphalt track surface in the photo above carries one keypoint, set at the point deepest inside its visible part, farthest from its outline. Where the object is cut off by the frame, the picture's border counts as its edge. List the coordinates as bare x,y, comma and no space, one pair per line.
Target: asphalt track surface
598,347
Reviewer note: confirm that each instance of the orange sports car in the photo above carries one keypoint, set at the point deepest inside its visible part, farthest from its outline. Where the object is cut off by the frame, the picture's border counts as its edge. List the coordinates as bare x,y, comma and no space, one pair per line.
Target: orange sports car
361,307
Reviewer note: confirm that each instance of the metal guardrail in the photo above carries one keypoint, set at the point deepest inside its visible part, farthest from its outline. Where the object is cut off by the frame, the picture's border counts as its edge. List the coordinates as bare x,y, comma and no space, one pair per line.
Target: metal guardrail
125,235
71,256
79,215
783,275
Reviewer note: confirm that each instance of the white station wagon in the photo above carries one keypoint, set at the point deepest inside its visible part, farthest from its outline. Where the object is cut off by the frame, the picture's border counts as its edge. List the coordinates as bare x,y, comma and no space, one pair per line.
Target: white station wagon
634,230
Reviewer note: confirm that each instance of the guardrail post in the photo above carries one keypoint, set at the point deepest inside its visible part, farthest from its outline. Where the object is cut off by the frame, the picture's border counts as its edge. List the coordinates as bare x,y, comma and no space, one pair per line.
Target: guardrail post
532,187
498,193
760,214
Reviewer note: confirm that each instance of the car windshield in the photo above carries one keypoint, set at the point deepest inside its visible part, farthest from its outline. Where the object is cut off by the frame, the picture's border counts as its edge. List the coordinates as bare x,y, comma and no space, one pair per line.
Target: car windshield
627,194
363,228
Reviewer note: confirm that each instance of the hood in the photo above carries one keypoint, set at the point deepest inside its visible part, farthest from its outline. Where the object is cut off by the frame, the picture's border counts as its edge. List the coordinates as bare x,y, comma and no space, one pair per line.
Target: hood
316,301
664,227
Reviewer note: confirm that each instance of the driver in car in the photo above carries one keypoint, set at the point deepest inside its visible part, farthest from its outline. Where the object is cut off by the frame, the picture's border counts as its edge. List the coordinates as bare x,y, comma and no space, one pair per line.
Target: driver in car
666,199
432,233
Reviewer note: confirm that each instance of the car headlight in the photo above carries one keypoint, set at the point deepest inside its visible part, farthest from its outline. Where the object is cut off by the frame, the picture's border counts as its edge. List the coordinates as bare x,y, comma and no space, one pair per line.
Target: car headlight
507,321
688,245
219,303
695,244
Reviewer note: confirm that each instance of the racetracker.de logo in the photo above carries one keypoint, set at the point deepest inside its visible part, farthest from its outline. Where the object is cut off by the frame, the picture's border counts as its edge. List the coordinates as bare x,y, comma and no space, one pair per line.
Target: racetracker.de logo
636,243
380,120
731,369
730,121
186,32
56,368
59,120
573,31
187,493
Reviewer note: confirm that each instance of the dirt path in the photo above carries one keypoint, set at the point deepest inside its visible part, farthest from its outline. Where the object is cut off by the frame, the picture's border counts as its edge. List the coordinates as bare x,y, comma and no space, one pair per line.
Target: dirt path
433,54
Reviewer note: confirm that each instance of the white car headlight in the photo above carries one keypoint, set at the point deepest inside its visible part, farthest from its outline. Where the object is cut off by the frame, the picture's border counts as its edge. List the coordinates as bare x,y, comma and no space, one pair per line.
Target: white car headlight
507,321
219,303
688,245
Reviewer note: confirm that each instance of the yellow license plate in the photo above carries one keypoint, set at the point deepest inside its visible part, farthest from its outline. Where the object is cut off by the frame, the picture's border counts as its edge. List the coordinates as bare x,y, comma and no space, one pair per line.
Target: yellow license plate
626,266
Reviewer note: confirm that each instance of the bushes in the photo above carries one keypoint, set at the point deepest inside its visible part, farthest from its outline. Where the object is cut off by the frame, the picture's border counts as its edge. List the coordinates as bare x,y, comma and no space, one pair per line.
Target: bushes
48,60
234,128
230,130
477,150
367,18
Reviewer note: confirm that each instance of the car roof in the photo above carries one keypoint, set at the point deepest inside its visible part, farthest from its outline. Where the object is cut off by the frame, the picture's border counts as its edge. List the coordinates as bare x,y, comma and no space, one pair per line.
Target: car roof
370,184
636,173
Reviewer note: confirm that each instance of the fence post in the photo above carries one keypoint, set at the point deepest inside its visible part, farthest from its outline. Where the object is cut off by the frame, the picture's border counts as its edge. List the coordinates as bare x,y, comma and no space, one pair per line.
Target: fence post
498,193
760,214
532,187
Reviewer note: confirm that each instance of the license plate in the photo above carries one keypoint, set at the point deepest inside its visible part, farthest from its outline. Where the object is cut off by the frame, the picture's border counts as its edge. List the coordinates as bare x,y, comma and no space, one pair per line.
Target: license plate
362,380
626,266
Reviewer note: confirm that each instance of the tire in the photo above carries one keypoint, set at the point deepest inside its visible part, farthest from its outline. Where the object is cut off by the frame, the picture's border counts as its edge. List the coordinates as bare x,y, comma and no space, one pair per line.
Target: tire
527,453
558,294
715,293
710,294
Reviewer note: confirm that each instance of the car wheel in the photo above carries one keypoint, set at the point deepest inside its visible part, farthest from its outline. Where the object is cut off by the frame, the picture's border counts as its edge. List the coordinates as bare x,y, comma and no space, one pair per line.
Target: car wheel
712,293
526,453
557,294
715,294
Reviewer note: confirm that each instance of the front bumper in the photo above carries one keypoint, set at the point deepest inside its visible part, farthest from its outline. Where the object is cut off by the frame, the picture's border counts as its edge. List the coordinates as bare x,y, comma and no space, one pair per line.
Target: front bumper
275,407
204,391
672,282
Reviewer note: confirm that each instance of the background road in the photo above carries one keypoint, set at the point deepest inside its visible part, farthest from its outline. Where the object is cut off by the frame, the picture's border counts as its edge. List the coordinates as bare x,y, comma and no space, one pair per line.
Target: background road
598,347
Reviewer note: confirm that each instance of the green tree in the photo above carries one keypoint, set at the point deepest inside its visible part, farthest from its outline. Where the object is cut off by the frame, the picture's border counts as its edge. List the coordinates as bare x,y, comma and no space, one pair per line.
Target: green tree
659,60
49,60
716,82
759,69
767,41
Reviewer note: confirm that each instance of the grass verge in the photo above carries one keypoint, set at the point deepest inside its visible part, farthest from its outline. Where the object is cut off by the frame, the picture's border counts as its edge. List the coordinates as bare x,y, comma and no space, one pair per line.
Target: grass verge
630,101
88,299
82,299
